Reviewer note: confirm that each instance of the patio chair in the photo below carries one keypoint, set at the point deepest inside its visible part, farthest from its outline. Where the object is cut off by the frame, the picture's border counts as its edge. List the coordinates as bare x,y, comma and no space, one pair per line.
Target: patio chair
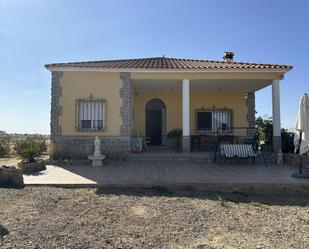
249,149
145,142
240,151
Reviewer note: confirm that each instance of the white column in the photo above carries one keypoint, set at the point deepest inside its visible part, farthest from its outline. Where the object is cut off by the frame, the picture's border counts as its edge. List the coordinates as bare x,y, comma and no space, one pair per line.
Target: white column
185,108
276,108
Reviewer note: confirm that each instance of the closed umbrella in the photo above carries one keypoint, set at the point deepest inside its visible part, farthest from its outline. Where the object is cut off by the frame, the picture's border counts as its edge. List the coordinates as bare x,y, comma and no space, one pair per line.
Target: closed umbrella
302,125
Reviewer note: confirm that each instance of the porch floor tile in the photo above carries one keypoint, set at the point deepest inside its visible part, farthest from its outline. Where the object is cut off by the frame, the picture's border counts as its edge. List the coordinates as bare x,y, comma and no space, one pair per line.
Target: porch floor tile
157,174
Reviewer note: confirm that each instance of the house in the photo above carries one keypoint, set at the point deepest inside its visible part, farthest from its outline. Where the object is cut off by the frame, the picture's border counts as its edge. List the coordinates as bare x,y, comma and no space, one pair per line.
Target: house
114,99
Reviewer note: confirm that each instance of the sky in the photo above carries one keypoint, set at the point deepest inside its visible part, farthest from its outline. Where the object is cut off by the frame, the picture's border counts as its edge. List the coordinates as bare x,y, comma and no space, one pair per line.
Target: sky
37,32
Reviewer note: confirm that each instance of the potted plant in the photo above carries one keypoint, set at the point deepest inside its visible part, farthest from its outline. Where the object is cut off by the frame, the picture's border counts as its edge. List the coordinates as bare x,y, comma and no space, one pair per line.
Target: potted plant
137,142
174,139
29,148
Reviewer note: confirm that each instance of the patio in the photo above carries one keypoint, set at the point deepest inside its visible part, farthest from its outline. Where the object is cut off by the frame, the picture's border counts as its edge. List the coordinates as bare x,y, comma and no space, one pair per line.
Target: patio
231,177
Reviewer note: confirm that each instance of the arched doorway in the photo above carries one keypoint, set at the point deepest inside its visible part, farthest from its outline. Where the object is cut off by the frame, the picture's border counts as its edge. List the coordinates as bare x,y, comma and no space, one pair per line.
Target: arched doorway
156,121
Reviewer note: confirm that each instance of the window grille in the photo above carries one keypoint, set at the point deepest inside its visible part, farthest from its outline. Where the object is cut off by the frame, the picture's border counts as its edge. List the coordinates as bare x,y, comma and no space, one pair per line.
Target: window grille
209,121
90,114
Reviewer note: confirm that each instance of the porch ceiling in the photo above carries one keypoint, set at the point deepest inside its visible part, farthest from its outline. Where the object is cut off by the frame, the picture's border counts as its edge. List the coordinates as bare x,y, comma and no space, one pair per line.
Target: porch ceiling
243,85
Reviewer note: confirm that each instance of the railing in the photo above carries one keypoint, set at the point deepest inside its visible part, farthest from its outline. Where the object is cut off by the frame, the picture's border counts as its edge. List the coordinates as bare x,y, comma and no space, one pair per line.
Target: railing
233,135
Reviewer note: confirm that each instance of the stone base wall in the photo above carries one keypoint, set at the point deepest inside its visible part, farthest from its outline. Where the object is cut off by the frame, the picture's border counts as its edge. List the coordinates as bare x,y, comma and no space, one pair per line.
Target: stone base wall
294,159
277,146
269,157
186,144
74,147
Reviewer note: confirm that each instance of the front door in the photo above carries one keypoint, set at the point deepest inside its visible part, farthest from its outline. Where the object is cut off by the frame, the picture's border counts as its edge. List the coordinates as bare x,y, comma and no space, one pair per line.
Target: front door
154,121
154,126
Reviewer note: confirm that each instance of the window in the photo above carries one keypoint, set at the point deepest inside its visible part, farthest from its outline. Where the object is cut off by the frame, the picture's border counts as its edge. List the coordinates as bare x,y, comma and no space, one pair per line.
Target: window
90,114
213,120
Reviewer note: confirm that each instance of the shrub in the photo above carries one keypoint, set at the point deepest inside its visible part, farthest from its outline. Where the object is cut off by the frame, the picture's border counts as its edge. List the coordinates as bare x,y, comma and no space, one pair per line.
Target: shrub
30,147
265,135
4,144
115,156
34,167
70,155
175,133
175,139
265,131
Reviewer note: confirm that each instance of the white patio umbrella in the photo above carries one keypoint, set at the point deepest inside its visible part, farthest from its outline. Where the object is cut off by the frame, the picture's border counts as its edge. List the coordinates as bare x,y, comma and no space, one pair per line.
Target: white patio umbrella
302,123
302,126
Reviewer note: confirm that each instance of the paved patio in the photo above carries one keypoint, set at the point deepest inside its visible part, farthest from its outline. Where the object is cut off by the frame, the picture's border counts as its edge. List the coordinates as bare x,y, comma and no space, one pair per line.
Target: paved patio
55,175
229,177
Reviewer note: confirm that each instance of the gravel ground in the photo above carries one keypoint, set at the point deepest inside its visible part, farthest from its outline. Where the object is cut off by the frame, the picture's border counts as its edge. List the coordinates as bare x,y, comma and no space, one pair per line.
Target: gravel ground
43,217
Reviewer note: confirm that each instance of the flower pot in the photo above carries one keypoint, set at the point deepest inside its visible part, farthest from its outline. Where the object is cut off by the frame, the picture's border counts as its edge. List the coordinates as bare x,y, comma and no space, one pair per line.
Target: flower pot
32,167
172,143
137,145
11,176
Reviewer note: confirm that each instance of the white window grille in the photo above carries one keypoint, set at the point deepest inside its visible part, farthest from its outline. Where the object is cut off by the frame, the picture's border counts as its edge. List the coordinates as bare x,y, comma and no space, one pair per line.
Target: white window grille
213,120
90,114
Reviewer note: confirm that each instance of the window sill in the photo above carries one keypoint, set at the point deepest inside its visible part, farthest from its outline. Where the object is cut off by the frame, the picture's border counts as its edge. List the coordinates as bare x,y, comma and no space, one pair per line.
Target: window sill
91,131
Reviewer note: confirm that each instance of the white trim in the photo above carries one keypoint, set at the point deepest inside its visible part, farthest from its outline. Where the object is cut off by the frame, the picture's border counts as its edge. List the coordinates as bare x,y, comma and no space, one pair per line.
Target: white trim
210,70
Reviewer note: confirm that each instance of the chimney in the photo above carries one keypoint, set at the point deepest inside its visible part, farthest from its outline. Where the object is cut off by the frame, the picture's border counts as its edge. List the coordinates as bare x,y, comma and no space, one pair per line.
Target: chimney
228,56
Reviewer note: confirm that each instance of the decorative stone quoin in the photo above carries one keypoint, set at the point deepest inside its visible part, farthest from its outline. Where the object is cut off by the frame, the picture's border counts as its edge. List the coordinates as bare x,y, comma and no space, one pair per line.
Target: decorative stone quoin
251,113
56,109
126,108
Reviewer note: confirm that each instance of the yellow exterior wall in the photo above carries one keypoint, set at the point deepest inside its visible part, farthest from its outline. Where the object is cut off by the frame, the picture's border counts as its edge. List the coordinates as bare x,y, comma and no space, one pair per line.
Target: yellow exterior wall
106,85
103,85
173,102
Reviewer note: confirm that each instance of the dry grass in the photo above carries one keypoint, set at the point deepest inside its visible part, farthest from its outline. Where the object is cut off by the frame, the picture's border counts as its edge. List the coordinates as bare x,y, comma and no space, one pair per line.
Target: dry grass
45,217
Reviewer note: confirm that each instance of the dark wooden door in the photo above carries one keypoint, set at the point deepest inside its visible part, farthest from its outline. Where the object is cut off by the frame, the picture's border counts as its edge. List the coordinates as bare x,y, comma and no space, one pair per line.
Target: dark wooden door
154,126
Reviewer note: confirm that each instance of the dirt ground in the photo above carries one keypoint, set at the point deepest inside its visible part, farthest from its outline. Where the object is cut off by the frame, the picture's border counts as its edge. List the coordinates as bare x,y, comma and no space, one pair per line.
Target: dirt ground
45,217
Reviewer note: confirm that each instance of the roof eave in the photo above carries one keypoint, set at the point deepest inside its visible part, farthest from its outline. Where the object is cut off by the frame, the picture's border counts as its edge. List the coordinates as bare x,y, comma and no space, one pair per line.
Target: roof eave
141,70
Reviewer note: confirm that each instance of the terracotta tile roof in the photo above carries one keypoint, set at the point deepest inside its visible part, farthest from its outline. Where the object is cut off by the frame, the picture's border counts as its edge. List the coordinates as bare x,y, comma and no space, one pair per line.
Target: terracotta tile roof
162,63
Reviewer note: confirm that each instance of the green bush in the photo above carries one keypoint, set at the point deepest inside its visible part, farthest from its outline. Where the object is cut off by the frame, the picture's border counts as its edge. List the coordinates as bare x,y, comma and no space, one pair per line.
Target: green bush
175,133
115,156
265,132
30,147
265,135
70,155
4,144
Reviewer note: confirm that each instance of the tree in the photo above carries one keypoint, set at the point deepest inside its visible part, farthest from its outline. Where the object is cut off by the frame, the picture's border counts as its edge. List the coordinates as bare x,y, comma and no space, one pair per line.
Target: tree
30,147
265,132
4,144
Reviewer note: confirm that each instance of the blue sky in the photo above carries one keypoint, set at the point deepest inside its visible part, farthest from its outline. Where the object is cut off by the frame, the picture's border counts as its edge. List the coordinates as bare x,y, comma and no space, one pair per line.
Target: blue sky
36,32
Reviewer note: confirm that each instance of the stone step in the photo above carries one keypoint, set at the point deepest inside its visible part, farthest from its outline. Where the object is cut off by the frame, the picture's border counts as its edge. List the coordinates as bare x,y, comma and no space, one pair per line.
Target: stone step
198,157
170,157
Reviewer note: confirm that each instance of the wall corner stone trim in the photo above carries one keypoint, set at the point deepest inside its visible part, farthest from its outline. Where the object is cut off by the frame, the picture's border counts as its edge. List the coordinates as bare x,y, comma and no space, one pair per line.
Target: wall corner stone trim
125,110
251,112
56,108
164,127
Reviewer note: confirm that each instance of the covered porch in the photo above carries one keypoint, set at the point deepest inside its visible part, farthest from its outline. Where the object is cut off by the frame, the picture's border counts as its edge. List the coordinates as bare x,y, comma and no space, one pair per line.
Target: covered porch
199,105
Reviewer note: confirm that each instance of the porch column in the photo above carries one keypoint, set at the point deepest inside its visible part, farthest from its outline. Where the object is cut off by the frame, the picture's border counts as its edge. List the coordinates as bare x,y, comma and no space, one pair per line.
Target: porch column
276,116
186,115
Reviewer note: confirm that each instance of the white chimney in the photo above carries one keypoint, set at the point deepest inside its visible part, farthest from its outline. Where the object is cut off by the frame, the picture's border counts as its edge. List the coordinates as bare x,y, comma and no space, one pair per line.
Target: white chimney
228,56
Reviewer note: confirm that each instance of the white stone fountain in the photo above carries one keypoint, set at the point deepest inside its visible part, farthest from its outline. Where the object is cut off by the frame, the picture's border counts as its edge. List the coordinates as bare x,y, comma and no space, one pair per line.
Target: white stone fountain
97,156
